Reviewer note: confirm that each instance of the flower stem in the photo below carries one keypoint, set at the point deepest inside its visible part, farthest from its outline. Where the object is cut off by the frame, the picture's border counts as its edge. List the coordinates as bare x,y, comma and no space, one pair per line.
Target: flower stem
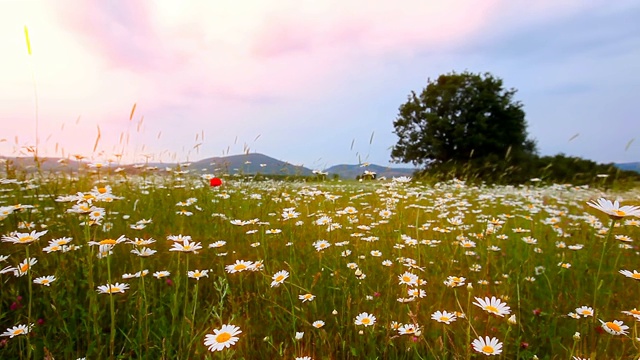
506,337
29,304
142,318
112,335
185,300
174,307
597,278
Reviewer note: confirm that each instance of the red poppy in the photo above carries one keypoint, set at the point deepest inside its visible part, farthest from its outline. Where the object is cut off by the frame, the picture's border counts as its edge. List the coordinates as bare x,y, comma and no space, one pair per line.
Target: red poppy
215,182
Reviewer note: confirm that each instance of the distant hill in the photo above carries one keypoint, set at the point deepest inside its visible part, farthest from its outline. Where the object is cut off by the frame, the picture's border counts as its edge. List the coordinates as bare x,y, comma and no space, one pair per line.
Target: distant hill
252,163
351,171
46,163
632,166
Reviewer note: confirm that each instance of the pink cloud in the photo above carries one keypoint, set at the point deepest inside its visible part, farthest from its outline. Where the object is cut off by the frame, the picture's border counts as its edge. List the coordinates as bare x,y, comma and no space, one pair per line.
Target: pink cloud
116,31
284,43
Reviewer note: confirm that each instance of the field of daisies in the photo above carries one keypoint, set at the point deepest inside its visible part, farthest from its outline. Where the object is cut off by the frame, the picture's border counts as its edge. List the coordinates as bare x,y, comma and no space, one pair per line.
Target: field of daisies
183,265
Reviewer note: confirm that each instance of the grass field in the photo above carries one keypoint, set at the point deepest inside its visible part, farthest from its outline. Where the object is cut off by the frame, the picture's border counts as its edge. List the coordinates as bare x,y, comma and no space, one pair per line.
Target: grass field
325,270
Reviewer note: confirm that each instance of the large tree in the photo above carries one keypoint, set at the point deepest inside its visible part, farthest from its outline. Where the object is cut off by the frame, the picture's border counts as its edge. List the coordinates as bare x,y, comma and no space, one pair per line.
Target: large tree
461,117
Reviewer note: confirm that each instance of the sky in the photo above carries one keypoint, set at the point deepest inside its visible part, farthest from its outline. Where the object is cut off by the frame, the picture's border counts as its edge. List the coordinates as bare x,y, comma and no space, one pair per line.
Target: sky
313,83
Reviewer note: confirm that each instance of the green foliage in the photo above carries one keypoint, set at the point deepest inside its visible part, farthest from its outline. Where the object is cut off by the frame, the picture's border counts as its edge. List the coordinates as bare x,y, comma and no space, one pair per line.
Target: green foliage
467,126
460,117
550,169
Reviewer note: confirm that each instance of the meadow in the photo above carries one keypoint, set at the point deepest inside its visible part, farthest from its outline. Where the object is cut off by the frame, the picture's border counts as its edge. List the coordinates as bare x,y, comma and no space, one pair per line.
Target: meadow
99,264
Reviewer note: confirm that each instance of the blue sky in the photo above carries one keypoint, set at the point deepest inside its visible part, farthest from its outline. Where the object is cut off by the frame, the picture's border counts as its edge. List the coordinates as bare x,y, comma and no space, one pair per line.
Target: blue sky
306,82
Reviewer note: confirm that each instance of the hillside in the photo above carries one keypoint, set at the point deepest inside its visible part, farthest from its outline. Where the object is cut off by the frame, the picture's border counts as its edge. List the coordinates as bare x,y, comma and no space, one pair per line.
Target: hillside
250,164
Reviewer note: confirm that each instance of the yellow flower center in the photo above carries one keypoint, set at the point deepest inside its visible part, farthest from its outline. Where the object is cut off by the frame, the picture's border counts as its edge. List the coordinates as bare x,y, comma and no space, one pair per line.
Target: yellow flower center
279,278
585,312
636,276
239,267
491,309
88,197
108,242
488,349
223,337
197,274
27,238
613,326
406,279
102,190
635,312
114,289
366,321
18,332
444,318
619,213
24,267
45,281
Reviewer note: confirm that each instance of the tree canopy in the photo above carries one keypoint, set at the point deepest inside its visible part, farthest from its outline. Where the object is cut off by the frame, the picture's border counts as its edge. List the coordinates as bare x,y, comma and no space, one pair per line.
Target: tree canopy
459,118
